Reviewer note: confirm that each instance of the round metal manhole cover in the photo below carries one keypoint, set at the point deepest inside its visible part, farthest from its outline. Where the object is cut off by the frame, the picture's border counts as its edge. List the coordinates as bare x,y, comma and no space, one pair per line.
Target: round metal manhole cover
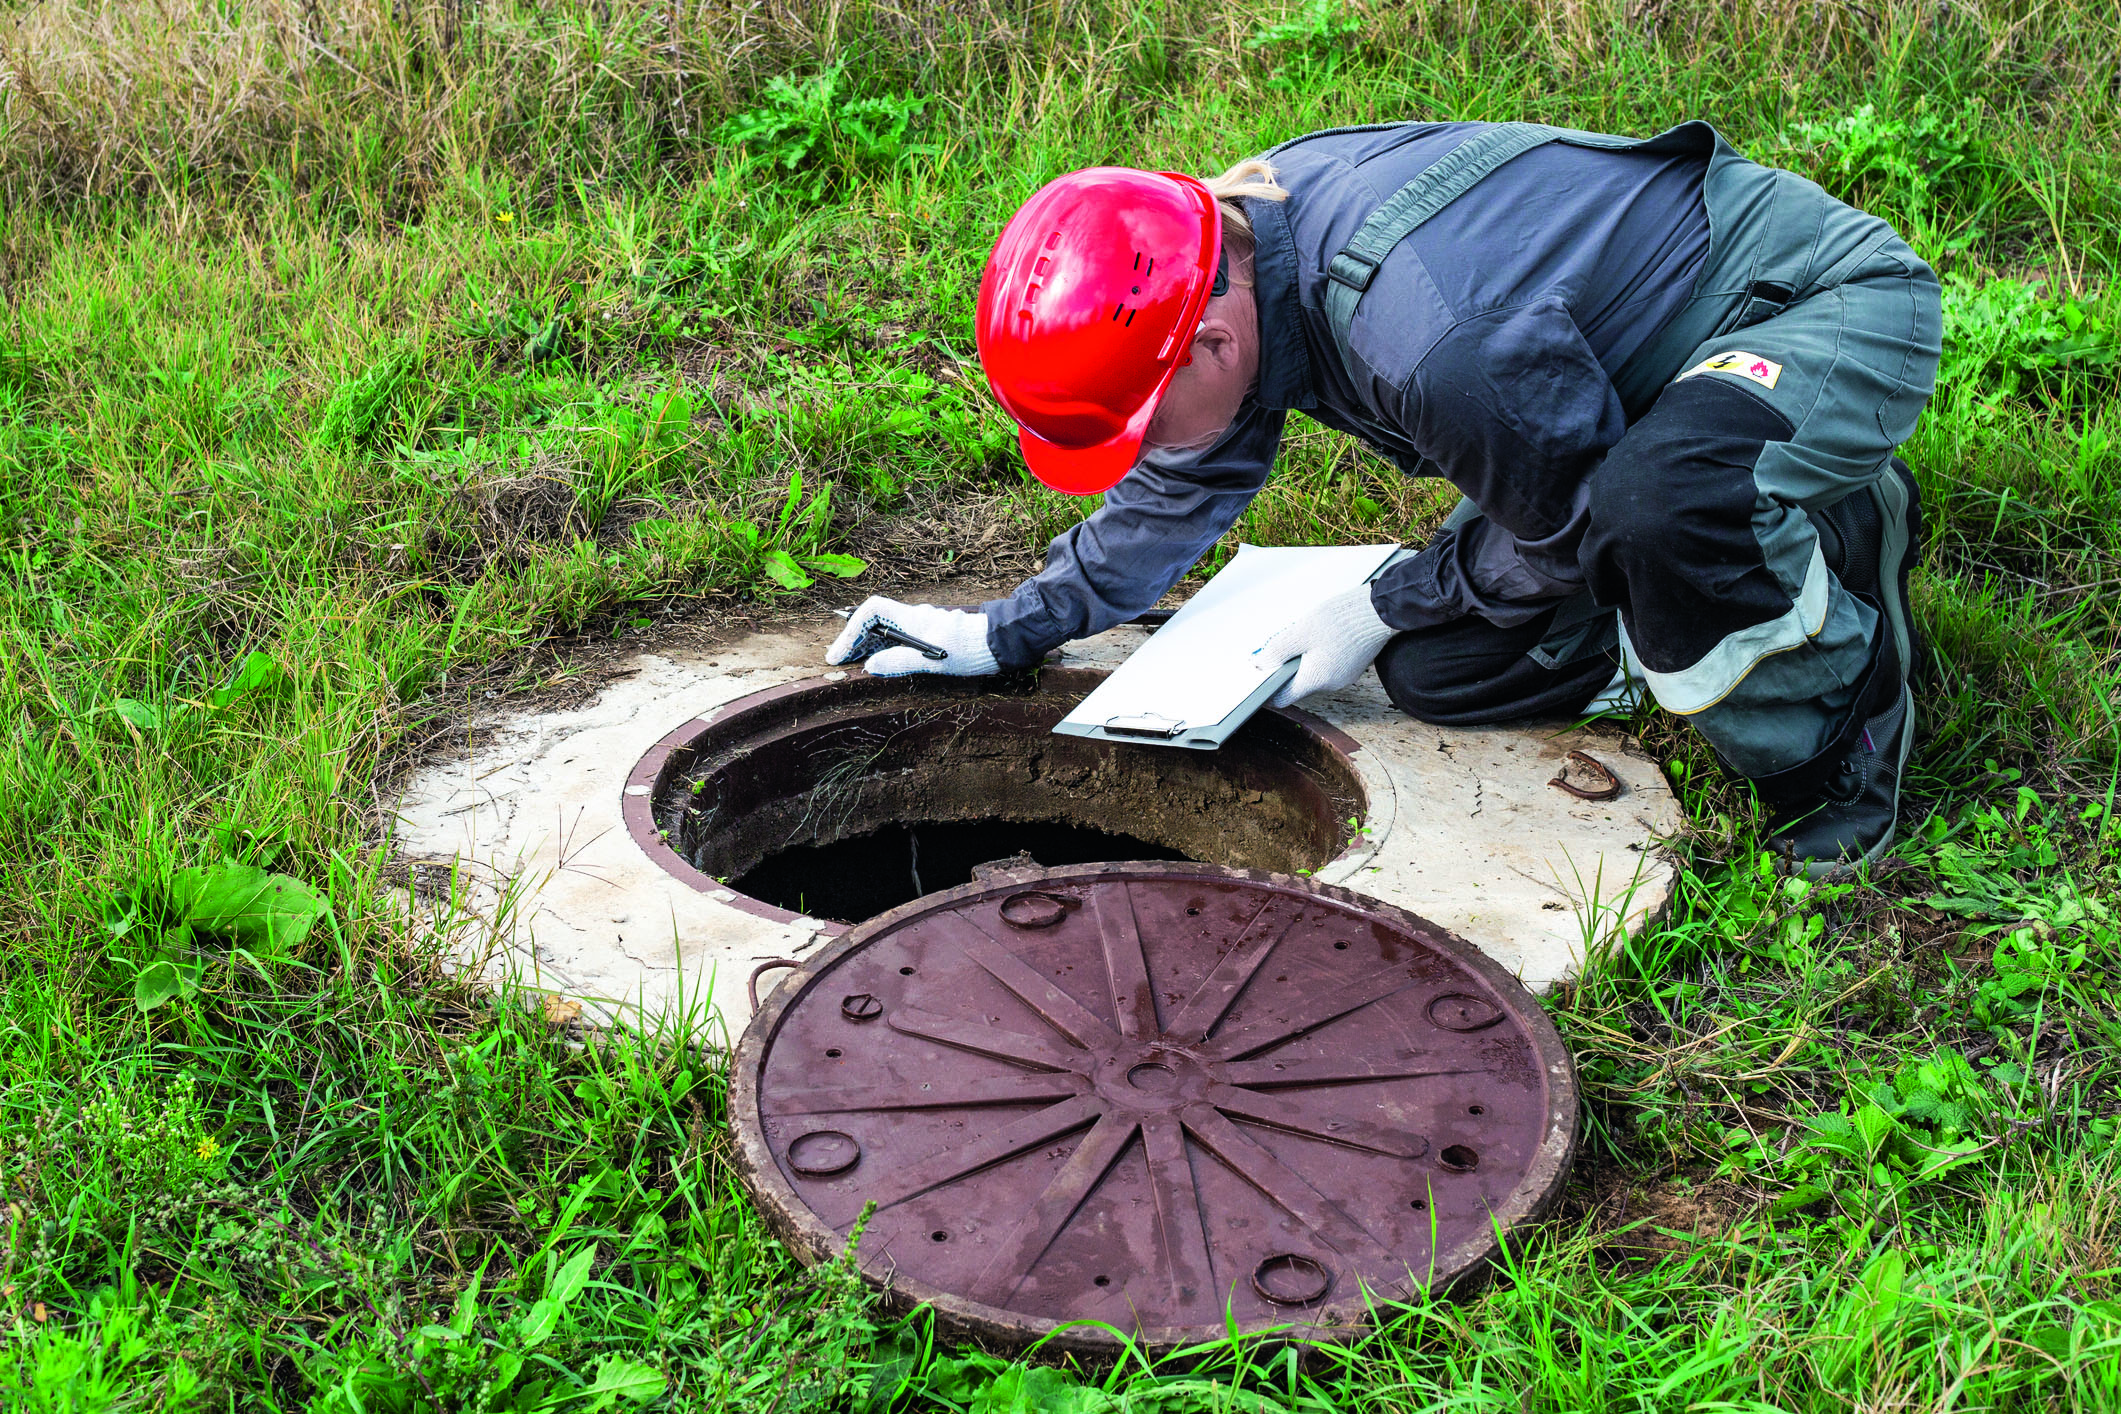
1149,1095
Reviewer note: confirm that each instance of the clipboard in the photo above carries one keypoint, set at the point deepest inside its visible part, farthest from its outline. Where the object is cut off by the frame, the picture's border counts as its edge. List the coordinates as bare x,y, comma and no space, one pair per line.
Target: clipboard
1199,677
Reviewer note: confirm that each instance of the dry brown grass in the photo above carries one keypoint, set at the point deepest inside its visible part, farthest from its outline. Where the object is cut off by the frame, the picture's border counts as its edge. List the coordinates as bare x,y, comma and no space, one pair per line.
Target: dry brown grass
385,102
153,95
396,98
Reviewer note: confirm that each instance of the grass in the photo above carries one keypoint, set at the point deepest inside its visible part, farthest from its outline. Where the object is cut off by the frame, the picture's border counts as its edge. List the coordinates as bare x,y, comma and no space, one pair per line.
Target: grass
361,362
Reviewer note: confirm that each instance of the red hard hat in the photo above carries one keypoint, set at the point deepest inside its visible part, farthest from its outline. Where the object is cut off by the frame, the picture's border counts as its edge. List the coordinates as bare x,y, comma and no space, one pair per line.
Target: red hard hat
1088,305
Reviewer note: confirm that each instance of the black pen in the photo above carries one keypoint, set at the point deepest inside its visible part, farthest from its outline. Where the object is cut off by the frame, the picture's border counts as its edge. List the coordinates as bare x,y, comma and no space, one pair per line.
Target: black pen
890,633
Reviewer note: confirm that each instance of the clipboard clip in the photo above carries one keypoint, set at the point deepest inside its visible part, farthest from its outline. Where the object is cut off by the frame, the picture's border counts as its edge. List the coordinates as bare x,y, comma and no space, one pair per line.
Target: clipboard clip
1147,724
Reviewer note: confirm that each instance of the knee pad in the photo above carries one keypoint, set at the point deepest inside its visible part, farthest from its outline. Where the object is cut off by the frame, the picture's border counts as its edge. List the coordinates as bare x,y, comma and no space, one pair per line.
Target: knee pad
1670,538
1689,459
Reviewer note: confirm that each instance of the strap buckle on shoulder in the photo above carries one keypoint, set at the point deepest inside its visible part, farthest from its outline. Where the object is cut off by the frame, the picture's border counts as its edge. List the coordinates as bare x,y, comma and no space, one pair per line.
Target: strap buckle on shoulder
1352,270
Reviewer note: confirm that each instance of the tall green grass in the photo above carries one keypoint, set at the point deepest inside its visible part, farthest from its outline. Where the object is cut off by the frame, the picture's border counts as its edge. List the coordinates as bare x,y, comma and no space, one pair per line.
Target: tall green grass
415,346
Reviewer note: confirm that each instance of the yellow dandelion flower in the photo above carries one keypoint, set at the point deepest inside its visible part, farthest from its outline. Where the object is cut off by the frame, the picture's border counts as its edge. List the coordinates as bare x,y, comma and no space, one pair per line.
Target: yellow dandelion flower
206,1149
504,216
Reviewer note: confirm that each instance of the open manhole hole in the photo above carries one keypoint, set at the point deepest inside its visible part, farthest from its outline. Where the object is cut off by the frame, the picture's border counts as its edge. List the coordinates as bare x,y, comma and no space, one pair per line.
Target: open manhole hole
841,799
1158,1096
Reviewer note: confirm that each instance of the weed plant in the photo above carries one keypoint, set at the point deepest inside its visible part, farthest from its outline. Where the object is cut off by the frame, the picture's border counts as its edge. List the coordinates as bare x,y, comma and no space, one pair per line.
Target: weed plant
362,362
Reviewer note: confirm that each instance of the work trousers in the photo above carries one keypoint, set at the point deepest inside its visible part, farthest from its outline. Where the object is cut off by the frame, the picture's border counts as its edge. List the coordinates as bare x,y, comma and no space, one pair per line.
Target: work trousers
1725,547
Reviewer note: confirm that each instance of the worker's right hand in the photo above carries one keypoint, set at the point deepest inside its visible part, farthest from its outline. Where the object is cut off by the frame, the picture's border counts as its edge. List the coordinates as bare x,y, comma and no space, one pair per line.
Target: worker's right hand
1334,643
961,634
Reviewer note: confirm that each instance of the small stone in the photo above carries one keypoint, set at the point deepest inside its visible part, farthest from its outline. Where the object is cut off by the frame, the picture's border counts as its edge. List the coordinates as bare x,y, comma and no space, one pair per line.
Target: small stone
1020,860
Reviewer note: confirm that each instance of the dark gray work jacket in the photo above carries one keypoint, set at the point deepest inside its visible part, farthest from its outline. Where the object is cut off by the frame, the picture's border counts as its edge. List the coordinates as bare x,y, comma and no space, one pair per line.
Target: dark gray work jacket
1504,345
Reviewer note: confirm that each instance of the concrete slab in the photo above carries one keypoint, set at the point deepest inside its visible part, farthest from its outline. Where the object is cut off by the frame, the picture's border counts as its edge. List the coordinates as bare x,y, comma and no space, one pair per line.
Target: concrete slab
526,833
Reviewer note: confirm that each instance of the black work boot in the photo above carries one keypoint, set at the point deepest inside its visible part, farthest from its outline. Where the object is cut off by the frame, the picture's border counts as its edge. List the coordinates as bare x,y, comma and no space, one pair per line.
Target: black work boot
1853,820
1870,540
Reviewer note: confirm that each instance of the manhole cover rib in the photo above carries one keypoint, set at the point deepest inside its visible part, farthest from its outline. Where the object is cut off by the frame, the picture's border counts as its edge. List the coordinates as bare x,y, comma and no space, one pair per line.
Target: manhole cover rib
1186,1091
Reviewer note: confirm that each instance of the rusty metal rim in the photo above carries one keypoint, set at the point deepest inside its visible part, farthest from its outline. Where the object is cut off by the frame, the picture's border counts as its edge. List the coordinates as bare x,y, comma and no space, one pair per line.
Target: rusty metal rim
637,806
649,775
793,1222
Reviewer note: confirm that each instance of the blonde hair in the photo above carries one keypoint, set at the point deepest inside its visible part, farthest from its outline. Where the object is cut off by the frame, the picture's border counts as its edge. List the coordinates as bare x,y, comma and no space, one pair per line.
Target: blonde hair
1252,177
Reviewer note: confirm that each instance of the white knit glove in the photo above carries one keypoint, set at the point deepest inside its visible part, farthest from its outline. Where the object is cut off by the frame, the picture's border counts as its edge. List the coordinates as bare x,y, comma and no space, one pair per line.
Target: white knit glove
961,635
1336,641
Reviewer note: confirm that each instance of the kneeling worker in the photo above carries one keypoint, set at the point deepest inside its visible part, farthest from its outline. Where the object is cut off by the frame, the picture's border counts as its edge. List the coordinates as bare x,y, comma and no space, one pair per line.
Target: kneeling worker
1669,382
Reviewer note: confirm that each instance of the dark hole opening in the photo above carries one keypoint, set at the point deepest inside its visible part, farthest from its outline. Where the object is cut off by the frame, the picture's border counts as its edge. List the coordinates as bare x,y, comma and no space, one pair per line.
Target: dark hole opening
852,879
844,799
1458,1158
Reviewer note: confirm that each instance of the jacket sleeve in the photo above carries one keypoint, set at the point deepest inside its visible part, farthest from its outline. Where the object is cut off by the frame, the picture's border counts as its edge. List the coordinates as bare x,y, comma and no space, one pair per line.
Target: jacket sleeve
1153,526
1515,409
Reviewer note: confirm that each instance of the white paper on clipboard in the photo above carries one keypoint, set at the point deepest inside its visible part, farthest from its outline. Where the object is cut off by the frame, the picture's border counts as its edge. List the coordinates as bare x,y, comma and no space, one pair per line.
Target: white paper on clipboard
1198,678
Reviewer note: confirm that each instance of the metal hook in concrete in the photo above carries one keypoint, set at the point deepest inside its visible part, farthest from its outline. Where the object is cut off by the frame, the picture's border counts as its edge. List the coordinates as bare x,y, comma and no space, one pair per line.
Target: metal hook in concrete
752,986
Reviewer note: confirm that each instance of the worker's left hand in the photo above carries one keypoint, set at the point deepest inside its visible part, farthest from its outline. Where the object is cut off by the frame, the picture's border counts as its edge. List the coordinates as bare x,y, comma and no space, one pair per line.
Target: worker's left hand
959,633
1336,641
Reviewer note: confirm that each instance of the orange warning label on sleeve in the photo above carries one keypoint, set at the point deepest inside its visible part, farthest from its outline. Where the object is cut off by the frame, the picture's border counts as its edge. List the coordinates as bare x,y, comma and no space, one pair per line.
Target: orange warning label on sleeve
1761,370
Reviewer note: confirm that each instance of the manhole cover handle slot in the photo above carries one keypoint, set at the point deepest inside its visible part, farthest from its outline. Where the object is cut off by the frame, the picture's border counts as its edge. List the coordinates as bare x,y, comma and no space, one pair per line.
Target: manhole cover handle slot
1037,908
1291,1279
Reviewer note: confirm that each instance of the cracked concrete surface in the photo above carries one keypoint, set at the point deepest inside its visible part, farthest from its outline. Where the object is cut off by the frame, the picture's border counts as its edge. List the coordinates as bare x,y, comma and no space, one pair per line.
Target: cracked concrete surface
1463,829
